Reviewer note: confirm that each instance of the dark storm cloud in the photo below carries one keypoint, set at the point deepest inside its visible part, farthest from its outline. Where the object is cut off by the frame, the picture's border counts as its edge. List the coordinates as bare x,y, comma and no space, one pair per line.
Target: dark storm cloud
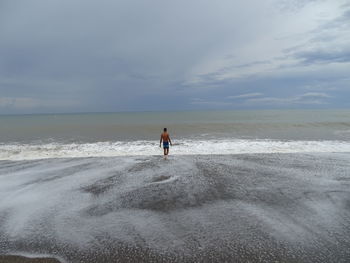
61,56
111,49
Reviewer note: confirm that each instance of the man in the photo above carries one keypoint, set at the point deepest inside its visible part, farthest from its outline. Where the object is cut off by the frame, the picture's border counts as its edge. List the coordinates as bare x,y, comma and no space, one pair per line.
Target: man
165,138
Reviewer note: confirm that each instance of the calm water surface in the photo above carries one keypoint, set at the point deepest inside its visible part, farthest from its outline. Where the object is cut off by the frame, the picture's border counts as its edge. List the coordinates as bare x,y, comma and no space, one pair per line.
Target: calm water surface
99,127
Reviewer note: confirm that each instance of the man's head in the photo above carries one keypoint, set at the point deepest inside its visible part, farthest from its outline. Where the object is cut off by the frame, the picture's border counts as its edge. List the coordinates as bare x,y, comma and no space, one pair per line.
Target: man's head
165,129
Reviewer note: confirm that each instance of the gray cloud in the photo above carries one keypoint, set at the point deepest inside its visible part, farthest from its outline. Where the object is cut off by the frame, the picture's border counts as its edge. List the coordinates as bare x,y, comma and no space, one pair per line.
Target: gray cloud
328,42
293,5
25,103
311,98
247,95
61,56
211,104
323,56
314,95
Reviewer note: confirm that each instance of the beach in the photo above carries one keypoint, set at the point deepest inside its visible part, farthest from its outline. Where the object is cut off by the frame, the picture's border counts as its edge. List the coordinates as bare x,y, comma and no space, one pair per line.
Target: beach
175,131
284,207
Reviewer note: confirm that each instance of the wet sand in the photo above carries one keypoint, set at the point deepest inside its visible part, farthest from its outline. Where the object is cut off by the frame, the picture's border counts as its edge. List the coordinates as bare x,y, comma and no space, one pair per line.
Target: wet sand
229,208
19,259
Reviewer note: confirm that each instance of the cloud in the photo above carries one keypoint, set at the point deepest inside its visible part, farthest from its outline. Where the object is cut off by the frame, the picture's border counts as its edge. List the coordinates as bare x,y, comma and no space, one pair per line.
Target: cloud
293,5
32,103
247,95
20,102
327,43
210,103
311,98
323,56
251,64
304,44
315,95
134,55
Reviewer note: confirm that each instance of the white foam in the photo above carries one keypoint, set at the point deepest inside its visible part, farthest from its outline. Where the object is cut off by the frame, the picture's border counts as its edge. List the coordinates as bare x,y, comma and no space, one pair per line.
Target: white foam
185,147
55,200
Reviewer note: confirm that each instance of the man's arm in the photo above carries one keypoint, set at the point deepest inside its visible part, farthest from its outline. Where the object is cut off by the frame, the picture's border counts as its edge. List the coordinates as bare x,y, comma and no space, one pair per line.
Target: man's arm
160,142
170,141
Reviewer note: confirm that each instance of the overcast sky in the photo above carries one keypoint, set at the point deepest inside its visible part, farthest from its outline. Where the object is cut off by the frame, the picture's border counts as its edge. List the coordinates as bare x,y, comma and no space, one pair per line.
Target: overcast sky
136,55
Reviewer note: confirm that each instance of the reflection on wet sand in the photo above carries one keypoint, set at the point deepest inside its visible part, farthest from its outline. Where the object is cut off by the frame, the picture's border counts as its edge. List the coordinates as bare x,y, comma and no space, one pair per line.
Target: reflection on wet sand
20,259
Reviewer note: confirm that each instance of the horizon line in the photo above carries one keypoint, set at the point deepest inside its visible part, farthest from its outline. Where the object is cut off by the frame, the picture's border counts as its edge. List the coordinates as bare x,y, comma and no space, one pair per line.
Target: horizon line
159,111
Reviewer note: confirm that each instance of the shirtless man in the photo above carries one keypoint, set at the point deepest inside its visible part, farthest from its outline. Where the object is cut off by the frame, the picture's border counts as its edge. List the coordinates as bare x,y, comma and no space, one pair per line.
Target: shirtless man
166,140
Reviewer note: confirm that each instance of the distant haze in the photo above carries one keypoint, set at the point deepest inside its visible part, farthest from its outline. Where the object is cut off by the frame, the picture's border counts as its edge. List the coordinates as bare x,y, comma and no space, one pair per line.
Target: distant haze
138,55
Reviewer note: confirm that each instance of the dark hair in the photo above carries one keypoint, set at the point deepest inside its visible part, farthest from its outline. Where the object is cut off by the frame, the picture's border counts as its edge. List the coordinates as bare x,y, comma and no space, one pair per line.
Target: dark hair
165,129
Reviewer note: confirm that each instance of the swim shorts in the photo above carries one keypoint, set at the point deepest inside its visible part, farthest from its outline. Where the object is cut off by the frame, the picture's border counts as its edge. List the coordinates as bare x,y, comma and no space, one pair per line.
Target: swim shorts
165,144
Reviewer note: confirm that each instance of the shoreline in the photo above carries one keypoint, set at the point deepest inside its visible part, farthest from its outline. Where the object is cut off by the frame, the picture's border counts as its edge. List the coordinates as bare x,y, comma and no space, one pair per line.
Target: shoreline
188,147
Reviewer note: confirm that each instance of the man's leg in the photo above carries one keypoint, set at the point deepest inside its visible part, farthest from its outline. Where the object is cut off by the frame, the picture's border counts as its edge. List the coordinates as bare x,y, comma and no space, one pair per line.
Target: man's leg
166,149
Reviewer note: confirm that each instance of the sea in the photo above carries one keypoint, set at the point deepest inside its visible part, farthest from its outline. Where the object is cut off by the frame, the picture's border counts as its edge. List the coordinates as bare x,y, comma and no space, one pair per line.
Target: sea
28,137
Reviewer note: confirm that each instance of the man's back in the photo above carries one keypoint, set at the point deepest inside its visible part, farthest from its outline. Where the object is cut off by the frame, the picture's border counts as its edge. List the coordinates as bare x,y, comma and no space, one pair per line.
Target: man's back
165,136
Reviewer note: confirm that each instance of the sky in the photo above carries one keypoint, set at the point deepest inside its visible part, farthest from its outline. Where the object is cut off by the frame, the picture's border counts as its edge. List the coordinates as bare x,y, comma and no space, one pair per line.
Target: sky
152,55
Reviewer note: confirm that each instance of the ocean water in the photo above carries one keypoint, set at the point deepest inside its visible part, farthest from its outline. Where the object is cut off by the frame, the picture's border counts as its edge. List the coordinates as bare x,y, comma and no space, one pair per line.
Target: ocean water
197,132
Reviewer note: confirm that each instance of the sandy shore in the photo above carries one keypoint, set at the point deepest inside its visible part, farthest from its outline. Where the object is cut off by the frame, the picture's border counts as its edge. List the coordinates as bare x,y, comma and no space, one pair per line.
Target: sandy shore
229,208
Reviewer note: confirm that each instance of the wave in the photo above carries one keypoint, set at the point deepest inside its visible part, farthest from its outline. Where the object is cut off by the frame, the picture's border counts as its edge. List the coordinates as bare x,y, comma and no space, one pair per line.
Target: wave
17,151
